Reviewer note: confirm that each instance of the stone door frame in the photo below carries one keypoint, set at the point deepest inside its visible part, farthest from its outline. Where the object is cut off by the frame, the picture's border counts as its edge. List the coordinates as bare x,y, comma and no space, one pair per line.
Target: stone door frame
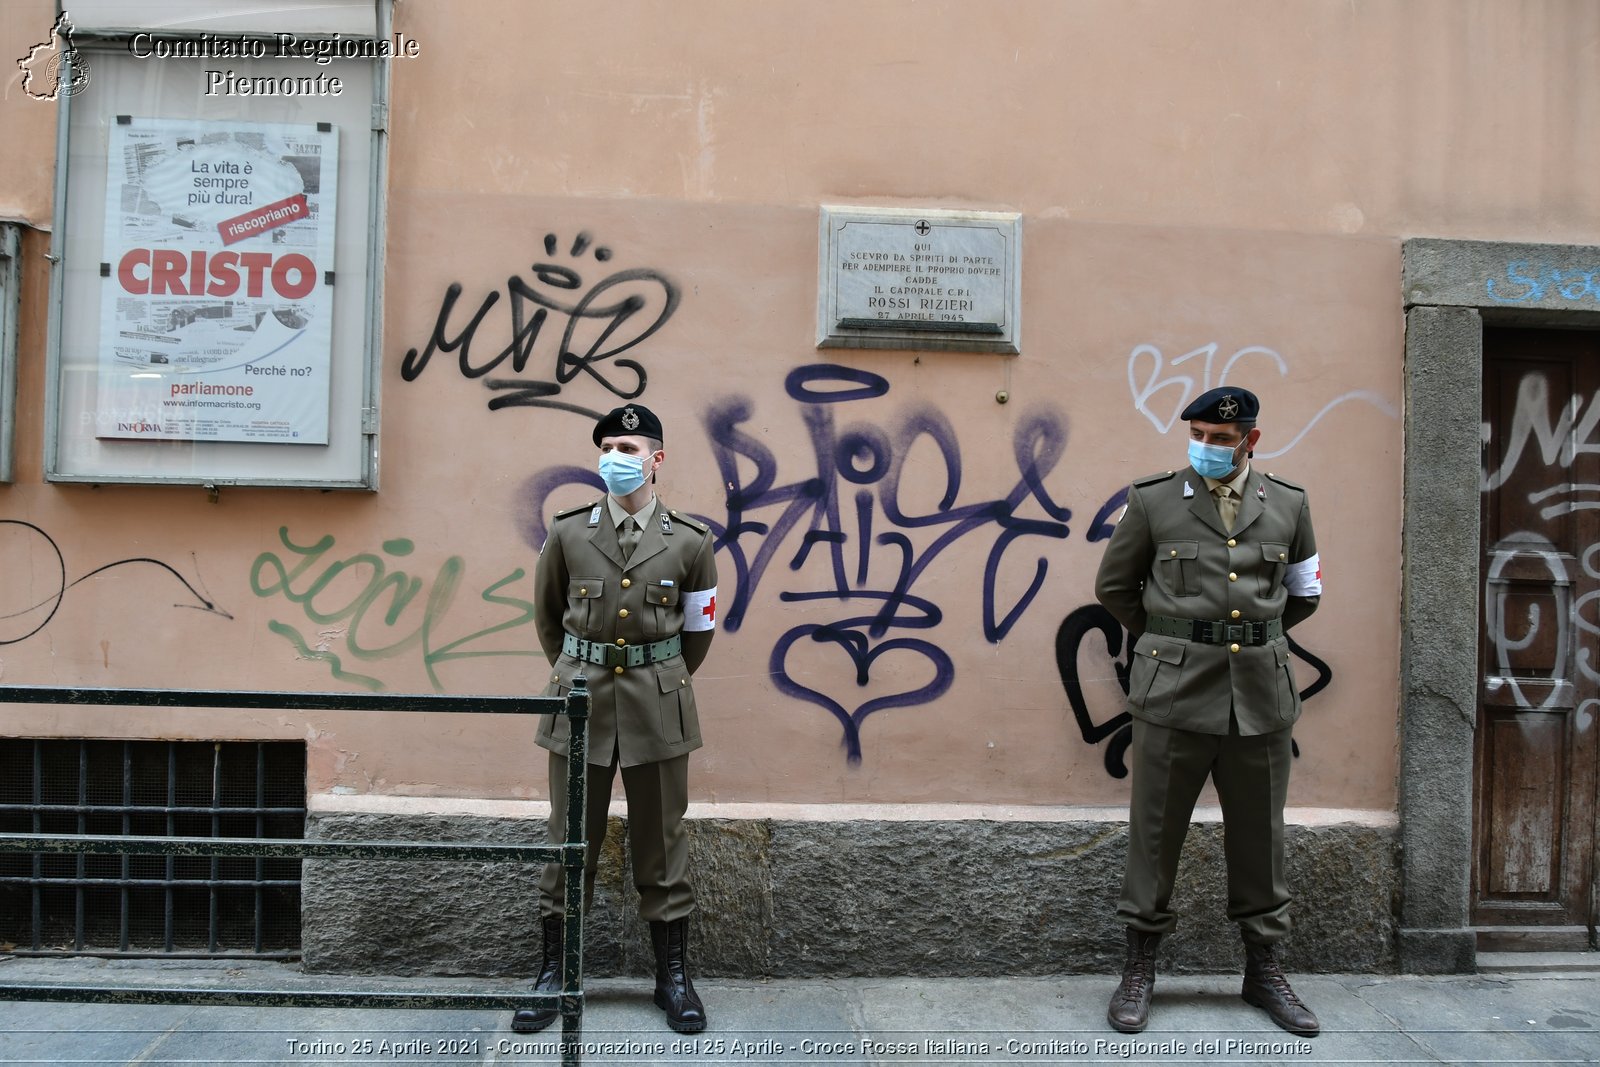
1451,288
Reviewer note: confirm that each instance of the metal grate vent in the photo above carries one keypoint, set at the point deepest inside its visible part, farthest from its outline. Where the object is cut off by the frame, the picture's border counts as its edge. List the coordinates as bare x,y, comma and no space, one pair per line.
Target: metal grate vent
181,906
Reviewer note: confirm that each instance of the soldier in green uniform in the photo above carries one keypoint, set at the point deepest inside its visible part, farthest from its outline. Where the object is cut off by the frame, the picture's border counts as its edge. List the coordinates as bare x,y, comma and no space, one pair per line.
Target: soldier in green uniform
1207,569
625,593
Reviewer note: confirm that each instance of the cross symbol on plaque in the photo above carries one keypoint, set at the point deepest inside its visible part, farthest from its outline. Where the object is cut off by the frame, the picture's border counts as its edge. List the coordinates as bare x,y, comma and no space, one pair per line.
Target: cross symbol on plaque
923,227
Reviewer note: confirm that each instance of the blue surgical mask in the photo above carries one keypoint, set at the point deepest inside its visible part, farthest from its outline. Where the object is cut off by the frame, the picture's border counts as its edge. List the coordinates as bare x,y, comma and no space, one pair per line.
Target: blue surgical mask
622,473
1212,461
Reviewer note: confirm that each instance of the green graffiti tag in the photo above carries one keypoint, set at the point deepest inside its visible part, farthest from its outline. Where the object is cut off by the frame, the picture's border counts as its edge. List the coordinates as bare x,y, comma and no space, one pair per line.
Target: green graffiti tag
385,613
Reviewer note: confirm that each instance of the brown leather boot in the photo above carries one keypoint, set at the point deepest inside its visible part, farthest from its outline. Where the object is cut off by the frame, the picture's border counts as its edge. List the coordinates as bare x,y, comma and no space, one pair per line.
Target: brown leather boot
1130,1004
1266,987
532,1020
674,991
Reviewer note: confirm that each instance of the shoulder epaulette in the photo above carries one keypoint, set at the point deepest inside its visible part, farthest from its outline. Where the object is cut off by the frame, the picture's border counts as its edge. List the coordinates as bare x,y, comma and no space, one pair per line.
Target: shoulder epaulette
1287,482
689,521
573,511
1152,479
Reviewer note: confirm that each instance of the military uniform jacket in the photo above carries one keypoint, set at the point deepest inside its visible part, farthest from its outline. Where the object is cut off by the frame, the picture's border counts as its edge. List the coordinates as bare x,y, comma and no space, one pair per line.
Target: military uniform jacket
1172,556
642,714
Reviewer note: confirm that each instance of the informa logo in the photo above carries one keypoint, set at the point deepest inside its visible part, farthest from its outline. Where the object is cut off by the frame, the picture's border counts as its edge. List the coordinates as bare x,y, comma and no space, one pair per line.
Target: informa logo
41,67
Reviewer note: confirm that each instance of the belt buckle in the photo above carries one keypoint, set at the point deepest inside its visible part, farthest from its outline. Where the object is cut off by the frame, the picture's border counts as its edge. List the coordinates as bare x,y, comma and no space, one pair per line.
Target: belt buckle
1238,632
615,656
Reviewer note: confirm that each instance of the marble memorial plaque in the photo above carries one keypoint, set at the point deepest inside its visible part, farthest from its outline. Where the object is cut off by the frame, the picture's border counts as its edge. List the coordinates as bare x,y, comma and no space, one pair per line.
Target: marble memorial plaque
919,279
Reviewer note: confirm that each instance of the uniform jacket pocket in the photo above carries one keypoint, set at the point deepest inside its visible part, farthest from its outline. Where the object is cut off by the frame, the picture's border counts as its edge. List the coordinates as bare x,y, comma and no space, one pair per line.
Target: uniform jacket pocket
679,723
1288,692
1274,562
1157,669
558,727
1177,567
664,614
583,605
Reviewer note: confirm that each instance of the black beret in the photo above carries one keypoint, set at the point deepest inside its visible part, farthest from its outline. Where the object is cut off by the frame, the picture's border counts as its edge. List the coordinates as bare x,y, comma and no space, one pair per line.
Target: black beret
1226,403
635,419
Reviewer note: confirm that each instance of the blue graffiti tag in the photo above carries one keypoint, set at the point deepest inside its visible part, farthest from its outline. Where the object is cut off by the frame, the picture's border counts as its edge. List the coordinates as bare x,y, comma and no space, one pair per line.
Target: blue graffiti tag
1567,284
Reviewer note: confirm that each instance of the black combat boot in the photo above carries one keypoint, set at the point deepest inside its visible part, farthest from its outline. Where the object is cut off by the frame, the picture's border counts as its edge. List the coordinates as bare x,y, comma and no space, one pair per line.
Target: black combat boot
1266,987
1130,1004
532,1020
674,991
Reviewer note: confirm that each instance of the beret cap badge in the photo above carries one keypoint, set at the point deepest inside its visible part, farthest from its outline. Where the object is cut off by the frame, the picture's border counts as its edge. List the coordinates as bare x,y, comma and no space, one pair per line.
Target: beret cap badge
1226,403
630,419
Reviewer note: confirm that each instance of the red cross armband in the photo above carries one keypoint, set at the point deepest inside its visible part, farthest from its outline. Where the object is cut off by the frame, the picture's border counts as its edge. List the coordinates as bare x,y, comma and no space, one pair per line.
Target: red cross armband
699,609
1305,578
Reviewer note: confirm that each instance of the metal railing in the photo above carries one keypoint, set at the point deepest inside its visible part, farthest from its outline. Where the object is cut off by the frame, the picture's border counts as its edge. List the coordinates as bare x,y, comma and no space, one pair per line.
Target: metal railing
570,854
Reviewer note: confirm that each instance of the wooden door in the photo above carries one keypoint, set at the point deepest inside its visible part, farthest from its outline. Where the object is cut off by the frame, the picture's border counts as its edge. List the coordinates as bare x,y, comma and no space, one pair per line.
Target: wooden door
1535,759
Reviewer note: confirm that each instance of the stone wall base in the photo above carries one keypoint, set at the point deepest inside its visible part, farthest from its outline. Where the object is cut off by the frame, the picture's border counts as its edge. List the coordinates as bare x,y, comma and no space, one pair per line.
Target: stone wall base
856,897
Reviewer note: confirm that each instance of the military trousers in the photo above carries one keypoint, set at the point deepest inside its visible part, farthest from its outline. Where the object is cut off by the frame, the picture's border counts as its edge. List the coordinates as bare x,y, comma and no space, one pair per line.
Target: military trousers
1252,778
658,795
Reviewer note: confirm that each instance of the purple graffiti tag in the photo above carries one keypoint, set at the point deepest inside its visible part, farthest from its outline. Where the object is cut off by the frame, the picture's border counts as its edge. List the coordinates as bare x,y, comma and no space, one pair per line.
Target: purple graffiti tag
855,644
866,536
536,492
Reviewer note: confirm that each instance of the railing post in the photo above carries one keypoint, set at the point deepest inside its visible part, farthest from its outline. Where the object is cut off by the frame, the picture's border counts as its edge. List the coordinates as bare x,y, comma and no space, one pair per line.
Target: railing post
573,863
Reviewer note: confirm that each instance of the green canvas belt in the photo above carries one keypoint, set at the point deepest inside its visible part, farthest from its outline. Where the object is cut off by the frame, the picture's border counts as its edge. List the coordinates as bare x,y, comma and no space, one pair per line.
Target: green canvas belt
620,655
1221,632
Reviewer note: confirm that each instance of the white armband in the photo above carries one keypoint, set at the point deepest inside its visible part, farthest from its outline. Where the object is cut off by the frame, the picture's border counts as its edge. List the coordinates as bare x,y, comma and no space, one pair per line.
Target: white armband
1305,578
699,609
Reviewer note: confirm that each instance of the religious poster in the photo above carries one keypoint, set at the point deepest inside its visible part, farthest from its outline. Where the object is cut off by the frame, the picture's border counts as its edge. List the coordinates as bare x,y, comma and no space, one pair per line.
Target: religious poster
216,318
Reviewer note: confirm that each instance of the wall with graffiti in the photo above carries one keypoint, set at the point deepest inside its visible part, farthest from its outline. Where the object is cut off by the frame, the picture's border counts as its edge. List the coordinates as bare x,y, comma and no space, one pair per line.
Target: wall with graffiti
906,540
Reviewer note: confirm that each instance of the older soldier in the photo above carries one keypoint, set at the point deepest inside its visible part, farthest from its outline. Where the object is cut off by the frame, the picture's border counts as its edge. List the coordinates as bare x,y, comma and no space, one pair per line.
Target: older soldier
1207,569
626,594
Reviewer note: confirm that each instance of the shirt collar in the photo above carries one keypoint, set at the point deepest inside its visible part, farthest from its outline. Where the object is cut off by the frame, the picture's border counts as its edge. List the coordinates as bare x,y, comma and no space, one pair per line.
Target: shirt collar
618,512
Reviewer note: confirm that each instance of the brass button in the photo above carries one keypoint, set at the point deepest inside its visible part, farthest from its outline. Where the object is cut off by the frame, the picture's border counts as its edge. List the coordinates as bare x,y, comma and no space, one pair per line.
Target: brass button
663,600
1232,543
1232,577
617,670
626,582
1174,552
1280,555
622,640
1233,648
583,591
623,614
1235,613
683,681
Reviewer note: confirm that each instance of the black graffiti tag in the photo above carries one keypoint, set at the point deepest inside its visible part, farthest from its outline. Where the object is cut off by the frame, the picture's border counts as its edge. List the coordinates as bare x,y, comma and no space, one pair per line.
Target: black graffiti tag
612,316
14,565
1092,618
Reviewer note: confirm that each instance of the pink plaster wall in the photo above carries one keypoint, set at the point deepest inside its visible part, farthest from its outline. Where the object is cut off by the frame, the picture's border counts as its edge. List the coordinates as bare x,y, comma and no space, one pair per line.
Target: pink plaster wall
1230,183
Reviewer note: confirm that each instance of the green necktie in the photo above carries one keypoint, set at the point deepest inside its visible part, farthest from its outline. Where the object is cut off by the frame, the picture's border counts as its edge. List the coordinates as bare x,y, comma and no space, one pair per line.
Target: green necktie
628,538
1227,506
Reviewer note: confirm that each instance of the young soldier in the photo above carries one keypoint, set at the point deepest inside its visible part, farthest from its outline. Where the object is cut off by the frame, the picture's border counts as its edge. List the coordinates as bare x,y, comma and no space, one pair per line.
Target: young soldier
1207,569
626,594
